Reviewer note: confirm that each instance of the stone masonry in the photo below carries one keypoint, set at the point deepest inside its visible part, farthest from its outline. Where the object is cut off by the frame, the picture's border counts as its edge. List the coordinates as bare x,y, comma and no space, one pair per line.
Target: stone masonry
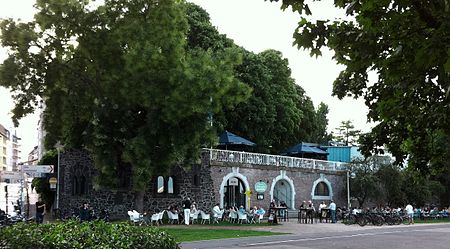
202,183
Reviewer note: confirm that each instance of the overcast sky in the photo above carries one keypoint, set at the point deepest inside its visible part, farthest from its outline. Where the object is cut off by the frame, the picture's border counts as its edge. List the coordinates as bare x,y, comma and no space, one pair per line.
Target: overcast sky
254,24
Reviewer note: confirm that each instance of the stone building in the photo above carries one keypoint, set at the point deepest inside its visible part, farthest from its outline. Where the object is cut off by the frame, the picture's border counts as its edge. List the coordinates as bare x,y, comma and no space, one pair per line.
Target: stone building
229,178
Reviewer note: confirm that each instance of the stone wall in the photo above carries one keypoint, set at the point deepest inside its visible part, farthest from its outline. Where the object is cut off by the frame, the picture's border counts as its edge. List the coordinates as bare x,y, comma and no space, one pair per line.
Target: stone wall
201,182
302,180
118,202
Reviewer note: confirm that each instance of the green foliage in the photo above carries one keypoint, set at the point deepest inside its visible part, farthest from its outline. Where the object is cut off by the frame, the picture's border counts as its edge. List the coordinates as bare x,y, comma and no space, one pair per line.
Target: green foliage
73,234
406,43
120,80
366,185
389,185
346,133
391,179
278,113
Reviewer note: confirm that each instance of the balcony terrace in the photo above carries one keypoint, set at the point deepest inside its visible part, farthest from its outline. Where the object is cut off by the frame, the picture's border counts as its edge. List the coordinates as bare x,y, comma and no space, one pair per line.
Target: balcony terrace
273,160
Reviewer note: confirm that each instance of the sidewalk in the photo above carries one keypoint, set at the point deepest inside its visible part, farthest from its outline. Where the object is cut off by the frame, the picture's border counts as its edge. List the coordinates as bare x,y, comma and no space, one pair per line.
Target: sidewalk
293,227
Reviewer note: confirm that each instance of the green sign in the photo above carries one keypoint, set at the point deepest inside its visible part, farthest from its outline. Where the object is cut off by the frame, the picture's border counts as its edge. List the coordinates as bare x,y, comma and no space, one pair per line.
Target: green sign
260,187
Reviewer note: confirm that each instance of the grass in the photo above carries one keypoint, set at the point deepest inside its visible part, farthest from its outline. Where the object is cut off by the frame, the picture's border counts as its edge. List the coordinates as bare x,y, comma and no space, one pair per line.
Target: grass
427,221
186,234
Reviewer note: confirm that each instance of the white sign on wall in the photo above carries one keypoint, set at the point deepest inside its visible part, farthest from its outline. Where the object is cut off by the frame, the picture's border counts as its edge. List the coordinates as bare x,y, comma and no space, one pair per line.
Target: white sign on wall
233,181
11,176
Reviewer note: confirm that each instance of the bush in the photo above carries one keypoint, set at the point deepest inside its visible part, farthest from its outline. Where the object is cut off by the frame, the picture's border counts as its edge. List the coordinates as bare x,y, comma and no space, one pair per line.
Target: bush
73,234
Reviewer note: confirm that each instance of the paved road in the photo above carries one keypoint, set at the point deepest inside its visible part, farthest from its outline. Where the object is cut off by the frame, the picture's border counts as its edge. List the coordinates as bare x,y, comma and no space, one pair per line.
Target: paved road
337,236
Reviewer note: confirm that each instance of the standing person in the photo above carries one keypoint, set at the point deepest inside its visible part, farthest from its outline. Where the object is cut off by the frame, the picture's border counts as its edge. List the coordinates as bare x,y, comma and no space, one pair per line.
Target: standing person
40,211
332,208
187,210
311,210
84,212
322,213
410,211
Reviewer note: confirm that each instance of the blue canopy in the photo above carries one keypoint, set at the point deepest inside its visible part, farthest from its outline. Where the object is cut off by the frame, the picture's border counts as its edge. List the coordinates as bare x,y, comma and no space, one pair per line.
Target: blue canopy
228,138
304,148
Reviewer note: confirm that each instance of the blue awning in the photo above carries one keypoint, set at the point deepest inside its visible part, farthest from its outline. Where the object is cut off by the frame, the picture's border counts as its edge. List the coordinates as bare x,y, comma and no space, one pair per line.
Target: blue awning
228,138
304,148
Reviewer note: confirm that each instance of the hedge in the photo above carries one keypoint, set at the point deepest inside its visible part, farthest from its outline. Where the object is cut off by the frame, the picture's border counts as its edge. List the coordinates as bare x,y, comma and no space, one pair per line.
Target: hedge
73,234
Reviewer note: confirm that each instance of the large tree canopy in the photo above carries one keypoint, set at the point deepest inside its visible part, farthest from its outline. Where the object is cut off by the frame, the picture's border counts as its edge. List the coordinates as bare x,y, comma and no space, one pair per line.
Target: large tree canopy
278,113
118,79
407,44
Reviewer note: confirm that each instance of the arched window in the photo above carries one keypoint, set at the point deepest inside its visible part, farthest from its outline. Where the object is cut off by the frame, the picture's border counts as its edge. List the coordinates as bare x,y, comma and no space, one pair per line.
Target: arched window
74,185
80,184
170,185
196,180
321,189
160,185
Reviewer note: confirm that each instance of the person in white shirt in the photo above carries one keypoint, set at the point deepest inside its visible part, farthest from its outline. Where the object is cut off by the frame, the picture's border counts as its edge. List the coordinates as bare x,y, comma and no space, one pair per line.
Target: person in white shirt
410,211
332,208
217,212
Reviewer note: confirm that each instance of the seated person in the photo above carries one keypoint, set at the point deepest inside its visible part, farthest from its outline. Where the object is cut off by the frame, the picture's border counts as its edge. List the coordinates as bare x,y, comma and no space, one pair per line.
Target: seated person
273,204
193,207
217,212
259,213
242,209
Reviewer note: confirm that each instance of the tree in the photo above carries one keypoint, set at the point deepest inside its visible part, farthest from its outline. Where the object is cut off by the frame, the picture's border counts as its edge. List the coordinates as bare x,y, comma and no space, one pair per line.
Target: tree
406,44
118,80
278,113
346,133
392,179
366,185
320,134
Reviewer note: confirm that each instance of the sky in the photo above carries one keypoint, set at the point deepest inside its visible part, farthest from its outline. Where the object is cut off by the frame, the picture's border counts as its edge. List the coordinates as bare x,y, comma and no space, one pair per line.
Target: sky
256,25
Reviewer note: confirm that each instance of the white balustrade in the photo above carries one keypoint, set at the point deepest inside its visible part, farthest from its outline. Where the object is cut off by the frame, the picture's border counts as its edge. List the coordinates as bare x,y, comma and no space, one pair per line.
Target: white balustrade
273,160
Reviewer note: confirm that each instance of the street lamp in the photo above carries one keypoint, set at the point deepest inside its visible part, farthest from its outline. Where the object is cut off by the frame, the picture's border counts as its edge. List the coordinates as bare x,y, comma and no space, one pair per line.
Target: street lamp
349,175
58,147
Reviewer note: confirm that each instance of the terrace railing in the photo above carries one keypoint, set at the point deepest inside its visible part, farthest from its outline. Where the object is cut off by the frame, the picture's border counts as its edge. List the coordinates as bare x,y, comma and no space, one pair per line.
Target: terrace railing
273,160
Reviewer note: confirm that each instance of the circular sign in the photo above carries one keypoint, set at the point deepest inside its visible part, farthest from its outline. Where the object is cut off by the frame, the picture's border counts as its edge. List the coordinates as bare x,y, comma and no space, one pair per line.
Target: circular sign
260,187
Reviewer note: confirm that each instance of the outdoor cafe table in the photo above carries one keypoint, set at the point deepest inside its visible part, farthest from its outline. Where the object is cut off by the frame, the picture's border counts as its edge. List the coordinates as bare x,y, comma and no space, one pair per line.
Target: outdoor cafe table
276,211
304,214
324,214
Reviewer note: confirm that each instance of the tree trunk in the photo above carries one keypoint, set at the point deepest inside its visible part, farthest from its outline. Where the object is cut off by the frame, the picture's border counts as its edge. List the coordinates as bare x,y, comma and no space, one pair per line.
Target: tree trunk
139,201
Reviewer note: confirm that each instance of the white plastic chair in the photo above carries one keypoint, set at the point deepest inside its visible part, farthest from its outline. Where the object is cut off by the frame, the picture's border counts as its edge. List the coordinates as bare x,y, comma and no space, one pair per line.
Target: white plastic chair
135,217
160,217
154,219
130,214
194,216
205,217
173,217
242,217
233,216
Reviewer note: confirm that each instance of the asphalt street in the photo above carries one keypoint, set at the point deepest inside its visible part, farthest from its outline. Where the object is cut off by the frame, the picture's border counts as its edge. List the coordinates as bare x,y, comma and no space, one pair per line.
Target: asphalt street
339,236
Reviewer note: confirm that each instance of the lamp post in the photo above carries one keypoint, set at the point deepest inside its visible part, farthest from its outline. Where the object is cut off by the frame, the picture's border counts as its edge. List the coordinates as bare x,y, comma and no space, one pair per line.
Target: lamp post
349,175
58,147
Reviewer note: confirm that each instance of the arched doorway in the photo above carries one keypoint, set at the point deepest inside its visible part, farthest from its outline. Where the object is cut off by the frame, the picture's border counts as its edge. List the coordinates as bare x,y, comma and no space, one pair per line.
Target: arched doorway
234,193
283,192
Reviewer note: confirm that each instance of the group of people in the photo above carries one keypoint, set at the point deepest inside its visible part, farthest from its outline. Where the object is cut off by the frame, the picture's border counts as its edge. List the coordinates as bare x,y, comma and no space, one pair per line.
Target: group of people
308,211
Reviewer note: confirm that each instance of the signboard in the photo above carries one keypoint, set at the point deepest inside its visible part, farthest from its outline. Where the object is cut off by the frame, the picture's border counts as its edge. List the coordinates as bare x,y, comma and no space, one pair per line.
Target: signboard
233,182
260,187
10,176
42,169
35,174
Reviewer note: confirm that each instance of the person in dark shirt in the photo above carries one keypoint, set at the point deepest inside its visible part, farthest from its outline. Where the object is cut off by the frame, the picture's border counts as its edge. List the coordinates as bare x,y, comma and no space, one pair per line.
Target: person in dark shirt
84,212
40,211
187,210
